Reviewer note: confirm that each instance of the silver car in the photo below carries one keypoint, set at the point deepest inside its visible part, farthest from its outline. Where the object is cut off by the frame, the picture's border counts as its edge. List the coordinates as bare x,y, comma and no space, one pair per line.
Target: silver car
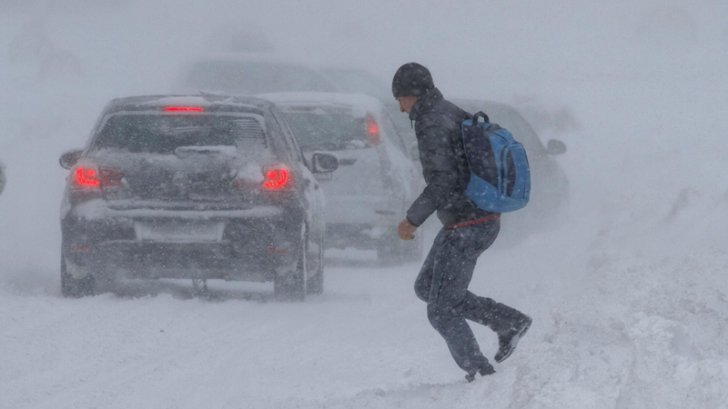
376,181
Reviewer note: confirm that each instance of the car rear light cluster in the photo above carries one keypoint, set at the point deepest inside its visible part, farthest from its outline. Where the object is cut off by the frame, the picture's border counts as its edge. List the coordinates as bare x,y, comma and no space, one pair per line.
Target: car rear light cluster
89,177
86,177
372,130
274,178
278,178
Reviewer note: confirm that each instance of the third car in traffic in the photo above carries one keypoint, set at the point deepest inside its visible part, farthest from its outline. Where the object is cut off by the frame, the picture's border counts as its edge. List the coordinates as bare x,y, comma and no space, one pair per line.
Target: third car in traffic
375,182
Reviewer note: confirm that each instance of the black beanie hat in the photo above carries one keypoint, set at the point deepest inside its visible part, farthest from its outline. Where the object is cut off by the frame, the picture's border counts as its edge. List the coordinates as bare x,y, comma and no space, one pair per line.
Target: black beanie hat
411,79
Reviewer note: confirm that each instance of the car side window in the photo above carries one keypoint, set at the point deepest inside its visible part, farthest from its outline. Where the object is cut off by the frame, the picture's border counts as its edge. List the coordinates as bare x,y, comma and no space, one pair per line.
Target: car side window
393,133
278,139
289,137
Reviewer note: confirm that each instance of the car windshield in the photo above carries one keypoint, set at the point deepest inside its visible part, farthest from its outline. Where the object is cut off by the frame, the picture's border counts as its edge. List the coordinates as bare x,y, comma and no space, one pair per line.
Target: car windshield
325,130
163,134
254,77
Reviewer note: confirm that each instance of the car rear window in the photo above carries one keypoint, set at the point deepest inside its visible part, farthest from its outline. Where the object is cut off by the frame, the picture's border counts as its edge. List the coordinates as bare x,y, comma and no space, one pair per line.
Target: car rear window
316,129
164,133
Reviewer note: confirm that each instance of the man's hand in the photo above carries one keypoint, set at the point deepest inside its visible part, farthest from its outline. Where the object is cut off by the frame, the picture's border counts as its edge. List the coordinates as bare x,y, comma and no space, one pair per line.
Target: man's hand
406,230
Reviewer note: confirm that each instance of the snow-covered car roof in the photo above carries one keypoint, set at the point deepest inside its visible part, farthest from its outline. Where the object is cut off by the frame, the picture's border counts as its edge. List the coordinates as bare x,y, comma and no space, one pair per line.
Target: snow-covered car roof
359,104
210,102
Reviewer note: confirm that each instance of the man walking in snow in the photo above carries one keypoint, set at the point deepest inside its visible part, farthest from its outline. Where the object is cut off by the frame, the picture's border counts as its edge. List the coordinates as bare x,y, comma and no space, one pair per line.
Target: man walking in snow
467,230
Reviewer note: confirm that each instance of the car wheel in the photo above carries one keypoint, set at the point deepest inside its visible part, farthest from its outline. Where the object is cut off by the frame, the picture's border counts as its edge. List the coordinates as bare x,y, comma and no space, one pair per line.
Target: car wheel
292,286
76,287
315,284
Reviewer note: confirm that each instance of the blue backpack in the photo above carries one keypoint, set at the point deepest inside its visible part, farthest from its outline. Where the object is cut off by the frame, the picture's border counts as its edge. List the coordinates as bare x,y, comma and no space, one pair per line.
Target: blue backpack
500,179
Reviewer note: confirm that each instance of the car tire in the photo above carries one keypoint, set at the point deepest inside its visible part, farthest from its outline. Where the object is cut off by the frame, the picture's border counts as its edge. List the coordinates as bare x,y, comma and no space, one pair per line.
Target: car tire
76,287
315,284
292,286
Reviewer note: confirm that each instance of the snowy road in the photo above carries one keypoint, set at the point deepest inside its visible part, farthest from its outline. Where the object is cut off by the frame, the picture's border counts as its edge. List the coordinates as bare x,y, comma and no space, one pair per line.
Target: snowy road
607,334
236,350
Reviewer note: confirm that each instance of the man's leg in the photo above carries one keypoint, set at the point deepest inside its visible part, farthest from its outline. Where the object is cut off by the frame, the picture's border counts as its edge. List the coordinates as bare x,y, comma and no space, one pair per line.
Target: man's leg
507,322
423,283
452,260
486,311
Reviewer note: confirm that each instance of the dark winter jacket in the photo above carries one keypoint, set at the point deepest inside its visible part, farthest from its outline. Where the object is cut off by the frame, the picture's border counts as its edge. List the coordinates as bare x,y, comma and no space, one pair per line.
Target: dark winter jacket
444,167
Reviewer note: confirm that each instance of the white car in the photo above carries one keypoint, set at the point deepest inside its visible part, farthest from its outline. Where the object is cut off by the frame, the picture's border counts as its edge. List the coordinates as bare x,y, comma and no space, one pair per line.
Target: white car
369,194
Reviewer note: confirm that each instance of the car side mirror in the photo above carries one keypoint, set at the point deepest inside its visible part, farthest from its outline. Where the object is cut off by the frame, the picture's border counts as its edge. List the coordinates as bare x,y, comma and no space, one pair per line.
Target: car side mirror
324,162
555,147
70,158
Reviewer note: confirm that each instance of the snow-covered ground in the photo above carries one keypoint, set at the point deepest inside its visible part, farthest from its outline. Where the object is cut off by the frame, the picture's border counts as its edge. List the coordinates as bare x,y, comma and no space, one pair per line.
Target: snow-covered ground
629,294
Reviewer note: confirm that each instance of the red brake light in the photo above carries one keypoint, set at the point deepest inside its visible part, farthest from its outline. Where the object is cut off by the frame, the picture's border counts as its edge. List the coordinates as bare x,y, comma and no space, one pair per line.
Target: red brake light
85,177
90,177
276,179
373,130
191,109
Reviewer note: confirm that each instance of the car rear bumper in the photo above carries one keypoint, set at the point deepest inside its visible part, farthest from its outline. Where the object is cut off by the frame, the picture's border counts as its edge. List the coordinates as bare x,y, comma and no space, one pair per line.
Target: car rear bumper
162,244
177,260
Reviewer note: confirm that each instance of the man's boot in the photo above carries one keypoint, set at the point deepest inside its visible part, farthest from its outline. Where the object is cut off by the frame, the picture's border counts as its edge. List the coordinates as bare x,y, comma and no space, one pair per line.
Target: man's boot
485,369
508,339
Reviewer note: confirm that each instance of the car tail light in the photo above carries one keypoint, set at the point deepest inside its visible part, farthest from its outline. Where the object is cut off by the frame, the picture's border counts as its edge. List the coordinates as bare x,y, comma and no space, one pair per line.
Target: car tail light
89,177
183,109
277,178
86,178
372,130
